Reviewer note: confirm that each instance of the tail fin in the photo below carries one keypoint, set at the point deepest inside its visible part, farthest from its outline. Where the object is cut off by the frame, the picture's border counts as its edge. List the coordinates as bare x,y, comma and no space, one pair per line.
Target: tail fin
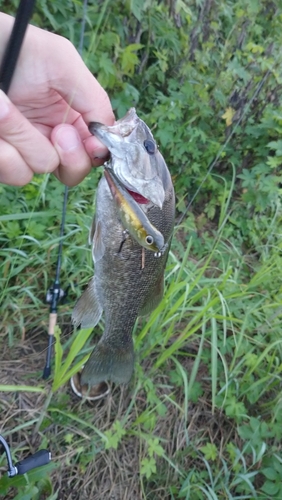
109,363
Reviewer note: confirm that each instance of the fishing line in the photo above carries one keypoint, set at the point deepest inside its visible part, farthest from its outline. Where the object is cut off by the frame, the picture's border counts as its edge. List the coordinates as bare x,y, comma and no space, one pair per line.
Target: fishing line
55,293
247,107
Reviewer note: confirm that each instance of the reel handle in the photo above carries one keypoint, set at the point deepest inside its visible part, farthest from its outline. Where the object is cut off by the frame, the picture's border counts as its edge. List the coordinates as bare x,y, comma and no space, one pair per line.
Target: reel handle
41,457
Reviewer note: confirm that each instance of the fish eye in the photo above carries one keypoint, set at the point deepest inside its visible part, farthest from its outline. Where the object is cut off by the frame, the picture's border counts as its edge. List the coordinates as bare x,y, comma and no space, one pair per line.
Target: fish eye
149,240
150,146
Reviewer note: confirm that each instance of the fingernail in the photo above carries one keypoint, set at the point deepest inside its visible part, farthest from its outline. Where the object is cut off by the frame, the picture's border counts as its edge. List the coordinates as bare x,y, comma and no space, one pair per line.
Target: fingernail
67,139
4,104
101,156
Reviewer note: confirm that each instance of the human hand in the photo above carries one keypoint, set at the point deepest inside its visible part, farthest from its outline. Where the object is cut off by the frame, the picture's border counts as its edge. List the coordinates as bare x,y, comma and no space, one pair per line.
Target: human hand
53,96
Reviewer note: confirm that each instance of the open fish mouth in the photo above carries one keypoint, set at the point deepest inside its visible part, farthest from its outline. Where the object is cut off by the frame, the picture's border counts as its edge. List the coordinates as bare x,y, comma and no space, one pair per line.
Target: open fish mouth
138,197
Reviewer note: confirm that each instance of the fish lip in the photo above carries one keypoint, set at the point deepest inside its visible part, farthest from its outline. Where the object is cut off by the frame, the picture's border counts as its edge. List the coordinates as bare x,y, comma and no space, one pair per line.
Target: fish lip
96,127
123,127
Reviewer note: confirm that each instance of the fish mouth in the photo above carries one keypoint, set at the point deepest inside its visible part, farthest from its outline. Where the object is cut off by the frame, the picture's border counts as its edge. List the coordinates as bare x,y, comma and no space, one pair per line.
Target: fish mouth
141,196
137,197
146,193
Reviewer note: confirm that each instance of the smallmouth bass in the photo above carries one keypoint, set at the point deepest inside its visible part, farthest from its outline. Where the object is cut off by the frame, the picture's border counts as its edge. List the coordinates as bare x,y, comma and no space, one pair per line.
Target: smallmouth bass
128,280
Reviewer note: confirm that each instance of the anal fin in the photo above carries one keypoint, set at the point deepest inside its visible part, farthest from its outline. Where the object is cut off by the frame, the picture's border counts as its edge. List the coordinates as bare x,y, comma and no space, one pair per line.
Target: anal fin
87,311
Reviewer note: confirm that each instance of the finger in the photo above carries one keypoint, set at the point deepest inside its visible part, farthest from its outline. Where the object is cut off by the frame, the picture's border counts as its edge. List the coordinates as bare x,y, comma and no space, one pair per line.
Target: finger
35,149
75,163
78,86
13,169
95,148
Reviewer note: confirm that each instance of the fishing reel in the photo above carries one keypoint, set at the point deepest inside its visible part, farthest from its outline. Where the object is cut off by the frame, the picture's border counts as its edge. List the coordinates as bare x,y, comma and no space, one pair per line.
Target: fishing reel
56,293
41,457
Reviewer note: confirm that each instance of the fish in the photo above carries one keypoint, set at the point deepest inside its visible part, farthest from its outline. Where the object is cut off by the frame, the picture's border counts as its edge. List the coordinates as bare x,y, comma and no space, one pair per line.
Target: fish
133,218
128,279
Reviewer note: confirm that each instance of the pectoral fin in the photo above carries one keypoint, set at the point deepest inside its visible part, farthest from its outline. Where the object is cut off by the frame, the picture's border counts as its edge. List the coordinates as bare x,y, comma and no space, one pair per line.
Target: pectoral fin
154,298
87,311
98,247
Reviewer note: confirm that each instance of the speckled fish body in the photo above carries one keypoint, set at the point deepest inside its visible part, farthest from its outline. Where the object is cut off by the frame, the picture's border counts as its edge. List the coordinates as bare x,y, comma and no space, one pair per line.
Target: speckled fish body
129,279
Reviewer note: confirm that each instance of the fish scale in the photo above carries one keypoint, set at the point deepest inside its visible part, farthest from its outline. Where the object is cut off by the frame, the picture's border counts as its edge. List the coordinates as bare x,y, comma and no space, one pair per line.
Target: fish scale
128,279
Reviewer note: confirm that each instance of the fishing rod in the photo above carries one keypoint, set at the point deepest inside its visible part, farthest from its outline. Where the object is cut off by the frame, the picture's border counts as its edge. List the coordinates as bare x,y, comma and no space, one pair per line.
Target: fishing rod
23,15
13,48
55,294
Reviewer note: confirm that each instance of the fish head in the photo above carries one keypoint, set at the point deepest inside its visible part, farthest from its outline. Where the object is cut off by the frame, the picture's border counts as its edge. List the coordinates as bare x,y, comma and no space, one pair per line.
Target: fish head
135,158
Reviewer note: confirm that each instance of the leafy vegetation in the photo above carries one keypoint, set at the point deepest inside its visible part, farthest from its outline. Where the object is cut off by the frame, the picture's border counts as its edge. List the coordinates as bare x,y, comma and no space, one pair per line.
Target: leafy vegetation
202,417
